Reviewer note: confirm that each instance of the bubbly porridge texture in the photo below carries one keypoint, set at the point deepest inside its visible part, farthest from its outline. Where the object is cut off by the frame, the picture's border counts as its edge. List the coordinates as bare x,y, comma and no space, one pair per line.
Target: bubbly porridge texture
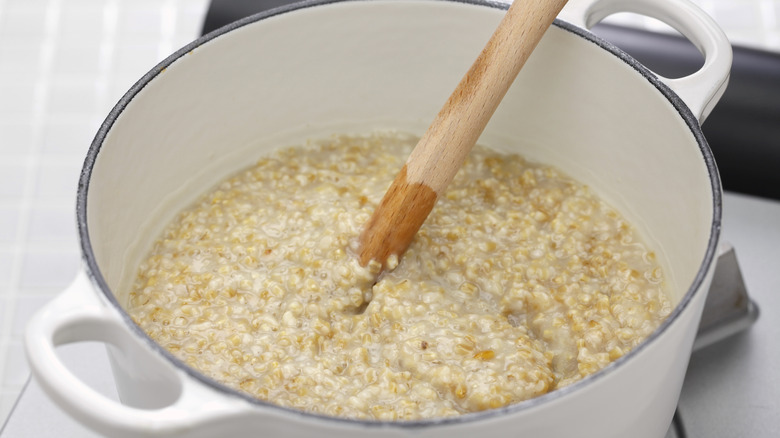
520,282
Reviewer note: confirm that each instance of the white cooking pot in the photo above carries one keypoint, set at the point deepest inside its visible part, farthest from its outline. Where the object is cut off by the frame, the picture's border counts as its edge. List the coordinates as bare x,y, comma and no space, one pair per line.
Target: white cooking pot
352,67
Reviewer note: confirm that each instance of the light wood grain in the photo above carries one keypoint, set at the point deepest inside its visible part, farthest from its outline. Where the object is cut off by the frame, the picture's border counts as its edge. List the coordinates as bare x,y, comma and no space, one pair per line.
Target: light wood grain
445,145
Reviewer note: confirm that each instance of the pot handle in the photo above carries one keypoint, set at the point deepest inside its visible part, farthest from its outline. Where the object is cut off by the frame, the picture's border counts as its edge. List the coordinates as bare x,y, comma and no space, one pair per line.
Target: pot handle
78,315
701,90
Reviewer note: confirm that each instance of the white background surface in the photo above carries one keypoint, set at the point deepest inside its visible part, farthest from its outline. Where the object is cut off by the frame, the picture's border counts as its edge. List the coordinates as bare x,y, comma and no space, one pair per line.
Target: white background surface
63,65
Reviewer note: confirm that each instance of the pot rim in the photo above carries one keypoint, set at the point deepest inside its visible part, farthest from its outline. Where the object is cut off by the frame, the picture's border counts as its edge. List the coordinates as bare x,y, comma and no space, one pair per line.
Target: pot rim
94,274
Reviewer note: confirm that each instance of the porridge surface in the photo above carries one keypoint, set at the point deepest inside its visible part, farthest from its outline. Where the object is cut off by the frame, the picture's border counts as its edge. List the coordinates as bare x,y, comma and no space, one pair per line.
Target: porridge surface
521,281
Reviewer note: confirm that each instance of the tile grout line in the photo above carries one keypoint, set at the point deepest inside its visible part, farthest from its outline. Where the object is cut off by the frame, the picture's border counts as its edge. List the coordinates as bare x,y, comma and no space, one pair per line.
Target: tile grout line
40,94
168,12
109,36
769,18
5,325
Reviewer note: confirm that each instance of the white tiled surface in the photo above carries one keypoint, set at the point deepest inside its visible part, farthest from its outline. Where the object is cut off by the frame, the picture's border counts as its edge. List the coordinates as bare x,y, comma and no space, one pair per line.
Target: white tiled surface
63,64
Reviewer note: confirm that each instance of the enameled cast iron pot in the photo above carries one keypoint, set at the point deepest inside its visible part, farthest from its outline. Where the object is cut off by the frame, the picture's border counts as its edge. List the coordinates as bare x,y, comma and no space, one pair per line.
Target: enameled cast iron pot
325,67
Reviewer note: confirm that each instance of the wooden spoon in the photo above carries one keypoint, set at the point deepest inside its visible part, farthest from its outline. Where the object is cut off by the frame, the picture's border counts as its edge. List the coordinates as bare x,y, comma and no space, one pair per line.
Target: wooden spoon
442,149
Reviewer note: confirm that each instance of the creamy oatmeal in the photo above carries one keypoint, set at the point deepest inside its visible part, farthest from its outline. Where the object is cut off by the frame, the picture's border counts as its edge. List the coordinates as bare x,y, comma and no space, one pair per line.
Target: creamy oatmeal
520,282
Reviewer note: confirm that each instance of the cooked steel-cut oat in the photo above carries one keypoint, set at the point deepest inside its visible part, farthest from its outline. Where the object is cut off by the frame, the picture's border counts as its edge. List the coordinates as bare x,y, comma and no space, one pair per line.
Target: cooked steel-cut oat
520,282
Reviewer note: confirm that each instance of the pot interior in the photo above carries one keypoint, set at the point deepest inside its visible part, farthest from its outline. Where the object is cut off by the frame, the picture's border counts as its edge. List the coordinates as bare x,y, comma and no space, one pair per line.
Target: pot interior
355,67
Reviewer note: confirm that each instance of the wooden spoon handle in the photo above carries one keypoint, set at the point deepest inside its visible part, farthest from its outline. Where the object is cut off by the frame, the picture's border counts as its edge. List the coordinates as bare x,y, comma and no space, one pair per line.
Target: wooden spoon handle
442,149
